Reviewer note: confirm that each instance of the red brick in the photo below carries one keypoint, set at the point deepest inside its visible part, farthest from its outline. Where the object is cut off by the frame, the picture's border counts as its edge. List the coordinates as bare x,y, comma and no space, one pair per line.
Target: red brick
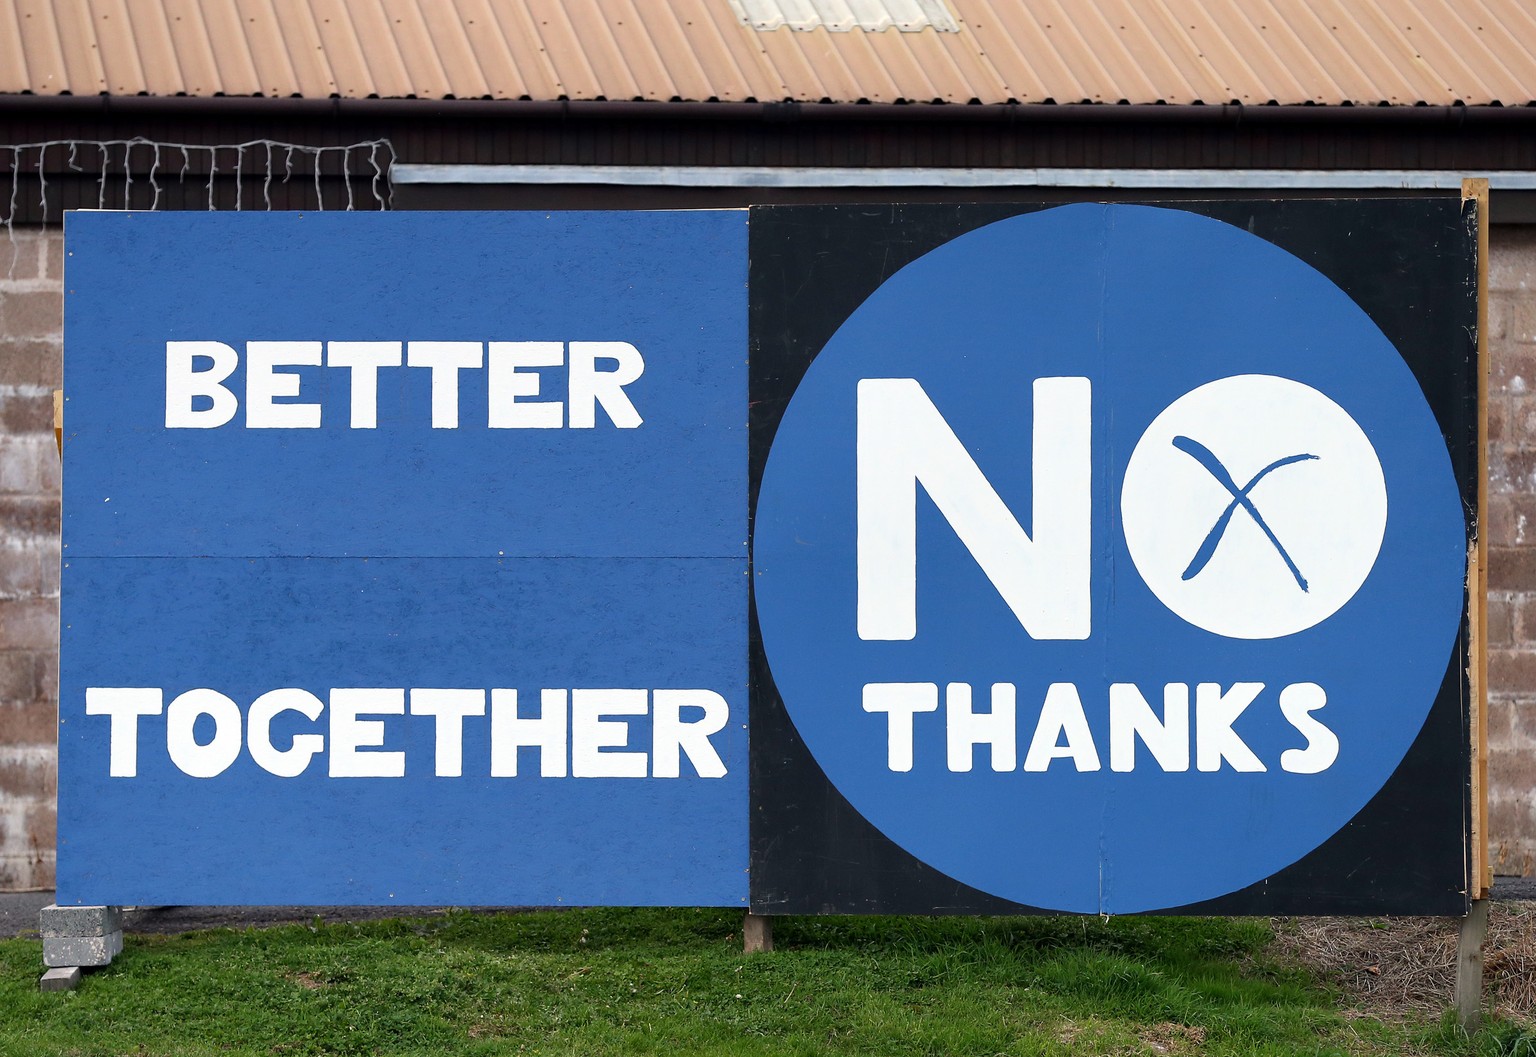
29,723
1511,671
31,313
29,623
29,361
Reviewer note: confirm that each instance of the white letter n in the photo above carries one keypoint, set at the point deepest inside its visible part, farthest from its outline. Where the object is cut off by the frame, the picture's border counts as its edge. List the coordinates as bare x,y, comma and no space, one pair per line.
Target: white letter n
1042,576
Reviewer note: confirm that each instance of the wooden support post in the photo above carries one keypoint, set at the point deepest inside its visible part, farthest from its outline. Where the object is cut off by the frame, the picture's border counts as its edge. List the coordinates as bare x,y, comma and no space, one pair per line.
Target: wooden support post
1469,967
756,933
1476,189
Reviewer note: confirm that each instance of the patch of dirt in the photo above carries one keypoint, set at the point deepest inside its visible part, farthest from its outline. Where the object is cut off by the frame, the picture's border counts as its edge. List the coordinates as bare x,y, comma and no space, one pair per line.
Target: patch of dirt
1169,1037
1399,967
309,981
1117,1040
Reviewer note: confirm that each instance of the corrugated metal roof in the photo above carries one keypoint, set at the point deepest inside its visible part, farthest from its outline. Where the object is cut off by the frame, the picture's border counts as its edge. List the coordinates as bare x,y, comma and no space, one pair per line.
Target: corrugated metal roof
1028,51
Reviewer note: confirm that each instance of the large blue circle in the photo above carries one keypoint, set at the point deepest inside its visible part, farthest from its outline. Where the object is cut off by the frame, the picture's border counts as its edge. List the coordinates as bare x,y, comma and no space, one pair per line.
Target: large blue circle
1147,303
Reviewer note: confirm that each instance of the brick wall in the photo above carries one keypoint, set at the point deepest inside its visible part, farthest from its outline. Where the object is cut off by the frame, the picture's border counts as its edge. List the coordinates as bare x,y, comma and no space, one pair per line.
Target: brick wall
1512,556
30,358
31,322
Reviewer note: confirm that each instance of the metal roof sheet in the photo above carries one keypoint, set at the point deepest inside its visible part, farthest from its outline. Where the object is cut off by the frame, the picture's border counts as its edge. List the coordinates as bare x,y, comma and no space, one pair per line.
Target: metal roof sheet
960,51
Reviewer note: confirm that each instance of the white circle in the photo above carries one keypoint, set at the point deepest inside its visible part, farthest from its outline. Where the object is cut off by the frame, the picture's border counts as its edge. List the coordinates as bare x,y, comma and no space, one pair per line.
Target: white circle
1254,507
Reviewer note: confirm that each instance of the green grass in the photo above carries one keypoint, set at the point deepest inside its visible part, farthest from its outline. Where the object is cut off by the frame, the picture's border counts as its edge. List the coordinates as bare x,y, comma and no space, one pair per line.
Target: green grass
675,982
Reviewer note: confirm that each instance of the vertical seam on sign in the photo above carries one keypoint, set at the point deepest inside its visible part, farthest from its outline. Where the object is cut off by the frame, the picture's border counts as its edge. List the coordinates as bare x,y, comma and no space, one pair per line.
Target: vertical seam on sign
1109,501
1102,359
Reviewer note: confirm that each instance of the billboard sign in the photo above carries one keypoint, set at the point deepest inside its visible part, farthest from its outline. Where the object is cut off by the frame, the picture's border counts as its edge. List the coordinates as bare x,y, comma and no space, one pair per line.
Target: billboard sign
1104,558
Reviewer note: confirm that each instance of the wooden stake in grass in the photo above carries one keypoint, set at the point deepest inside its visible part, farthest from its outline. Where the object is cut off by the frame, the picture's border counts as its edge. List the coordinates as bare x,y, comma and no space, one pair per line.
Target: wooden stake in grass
756,934
1469,967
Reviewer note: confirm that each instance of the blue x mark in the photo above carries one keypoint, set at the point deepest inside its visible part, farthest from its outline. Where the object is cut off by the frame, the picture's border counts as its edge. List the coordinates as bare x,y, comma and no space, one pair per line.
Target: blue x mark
1201,454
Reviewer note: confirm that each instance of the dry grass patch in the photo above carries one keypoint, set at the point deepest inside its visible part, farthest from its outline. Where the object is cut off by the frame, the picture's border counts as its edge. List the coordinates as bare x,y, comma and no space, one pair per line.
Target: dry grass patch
1171,1038
308,981
1117,1039
1399,968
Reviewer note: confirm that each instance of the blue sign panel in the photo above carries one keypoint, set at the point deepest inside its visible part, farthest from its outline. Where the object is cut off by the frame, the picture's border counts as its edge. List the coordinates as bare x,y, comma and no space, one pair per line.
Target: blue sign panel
1108,559
405,559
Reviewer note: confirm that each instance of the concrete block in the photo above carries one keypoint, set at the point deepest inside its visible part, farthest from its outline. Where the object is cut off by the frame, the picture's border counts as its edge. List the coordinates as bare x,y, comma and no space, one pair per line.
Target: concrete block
65,978
29,623
82,950
33,313
56,922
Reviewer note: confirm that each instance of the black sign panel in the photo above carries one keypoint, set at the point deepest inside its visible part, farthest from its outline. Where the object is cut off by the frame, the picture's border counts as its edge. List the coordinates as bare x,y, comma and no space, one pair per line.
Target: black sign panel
1112,558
